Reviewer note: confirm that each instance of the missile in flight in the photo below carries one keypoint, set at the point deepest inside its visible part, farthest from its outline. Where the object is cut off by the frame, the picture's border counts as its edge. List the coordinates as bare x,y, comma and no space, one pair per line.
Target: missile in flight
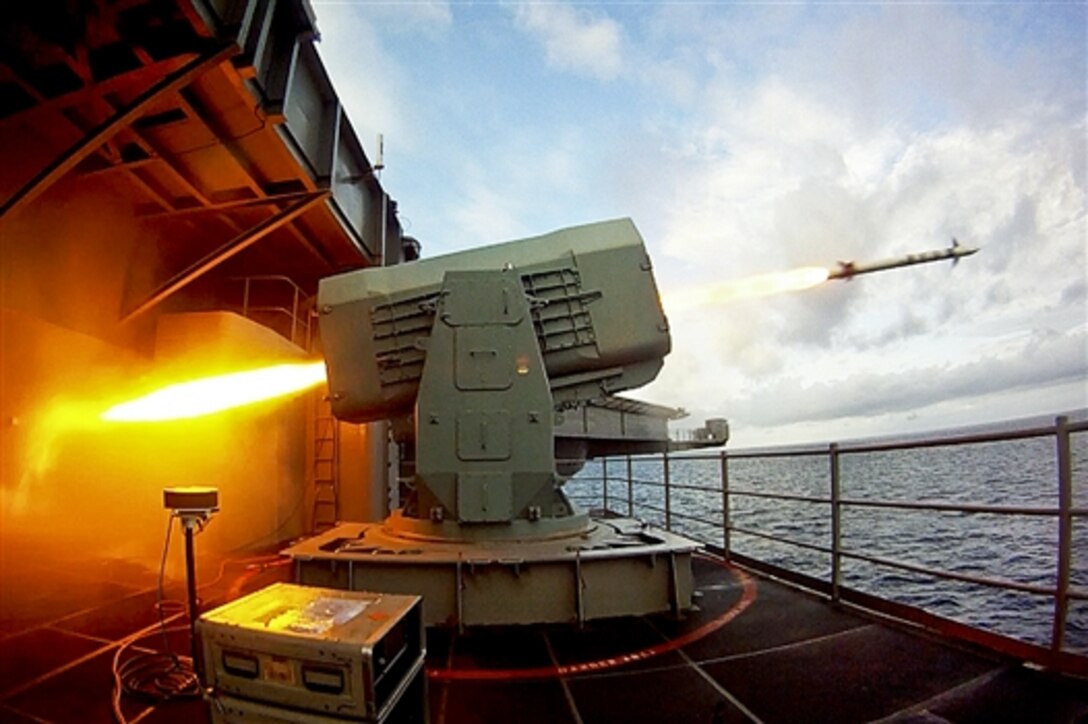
849,269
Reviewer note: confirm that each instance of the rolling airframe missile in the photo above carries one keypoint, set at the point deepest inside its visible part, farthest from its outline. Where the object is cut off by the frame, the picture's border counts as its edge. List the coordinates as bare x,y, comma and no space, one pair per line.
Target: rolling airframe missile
848,269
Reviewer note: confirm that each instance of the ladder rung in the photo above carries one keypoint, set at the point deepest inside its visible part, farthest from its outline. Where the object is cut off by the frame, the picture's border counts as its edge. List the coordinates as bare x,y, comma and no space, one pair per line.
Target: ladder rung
323,469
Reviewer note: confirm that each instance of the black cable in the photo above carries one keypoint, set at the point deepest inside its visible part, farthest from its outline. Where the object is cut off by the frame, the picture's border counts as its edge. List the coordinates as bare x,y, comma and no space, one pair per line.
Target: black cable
160,602
156,676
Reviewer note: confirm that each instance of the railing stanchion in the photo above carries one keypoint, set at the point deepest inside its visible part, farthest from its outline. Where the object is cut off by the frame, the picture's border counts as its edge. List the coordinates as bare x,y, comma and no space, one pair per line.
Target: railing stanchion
630,488
836,522
668,490
1065,530
725,504
294,315
604,483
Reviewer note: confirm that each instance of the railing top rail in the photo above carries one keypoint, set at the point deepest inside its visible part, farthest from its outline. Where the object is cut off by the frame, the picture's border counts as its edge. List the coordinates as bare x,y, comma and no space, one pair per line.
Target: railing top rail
783,452
942,440
966,439
272,278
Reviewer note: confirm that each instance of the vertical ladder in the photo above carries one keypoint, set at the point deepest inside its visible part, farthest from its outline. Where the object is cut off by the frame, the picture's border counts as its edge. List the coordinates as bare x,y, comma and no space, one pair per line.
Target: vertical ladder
326,467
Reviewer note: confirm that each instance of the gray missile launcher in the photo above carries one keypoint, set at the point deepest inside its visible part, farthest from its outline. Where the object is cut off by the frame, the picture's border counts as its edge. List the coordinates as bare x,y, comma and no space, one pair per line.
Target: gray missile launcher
488,362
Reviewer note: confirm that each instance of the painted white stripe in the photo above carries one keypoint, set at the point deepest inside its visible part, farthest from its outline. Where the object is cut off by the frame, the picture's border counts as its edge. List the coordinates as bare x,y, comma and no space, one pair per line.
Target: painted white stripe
944,696
725,693
444,696
790,646
562,681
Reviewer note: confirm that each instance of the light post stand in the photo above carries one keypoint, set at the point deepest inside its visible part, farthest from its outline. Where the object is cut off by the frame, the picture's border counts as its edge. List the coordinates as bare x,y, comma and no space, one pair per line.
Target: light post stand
194,506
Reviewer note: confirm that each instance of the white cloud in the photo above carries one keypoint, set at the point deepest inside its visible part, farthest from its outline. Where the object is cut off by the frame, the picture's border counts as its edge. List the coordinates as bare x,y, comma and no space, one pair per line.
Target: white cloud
574,39
484,213
780,178
368,81
432,14
1036,360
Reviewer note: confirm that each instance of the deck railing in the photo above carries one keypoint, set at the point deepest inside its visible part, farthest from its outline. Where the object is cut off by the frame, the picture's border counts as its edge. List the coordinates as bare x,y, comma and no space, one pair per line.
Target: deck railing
279,303
597,486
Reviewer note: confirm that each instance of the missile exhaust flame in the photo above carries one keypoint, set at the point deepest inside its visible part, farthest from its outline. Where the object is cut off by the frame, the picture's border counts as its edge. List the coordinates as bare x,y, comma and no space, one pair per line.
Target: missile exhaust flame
762,285
215,394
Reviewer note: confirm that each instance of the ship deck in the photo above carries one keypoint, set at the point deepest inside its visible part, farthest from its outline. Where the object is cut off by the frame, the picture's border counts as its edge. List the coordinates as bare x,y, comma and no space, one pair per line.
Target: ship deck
756,650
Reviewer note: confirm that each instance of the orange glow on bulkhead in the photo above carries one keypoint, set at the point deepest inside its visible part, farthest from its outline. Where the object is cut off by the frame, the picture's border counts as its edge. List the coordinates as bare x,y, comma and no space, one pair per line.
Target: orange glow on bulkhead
221,392
762,285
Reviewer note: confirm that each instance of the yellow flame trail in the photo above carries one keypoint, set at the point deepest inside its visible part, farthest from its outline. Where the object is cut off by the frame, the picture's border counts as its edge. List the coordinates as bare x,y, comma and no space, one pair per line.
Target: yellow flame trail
222,392
761,285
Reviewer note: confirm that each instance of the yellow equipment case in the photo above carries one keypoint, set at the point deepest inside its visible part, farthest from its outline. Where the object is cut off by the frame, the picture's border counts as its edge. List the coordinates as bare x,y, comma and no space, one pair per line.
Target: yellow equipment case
293,653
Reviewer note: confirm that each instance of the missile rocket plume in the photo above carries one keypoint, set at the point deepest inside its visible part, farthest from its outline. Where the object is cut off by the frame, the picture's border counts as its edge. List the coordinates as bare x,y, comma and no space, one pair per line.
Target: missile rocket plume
221,392
796,280
762,285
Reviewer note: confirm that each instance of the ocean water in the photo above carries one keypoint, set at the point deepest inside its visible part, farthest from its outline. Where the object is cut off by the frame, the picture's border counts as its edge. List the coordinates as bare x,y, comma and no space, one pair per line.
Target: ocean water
1020,548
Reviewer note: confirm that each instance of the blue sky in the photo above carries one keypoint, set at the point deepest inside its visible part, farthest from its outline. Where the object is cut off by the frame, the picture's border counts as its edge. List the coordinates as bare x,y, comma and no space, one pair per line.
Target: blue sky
746,138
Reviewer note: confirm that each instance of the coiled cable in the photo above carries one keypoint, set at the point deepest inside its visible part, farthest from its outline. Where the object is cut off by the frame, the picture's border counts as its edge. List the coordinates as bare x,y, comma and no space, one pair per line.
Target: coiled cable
155,676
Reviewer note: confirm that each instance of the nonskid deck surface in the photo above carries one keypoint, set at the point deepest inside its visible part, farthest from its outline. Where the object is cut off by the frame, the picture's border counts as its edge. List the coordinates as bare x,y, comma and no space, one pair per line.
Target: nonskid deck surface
778,655
756,650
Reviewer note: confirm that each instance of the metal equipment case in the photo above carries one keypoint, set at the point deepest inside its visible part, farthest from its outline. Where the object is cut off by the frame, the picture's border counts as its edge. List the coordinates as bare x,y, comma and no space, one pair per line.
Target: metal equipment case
302,652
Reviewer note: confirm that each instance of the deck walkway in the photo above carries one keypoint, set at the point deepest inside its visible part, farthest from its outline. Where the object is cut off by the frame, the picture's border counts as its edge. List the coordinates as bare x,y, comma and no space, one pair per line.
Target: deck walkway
755,651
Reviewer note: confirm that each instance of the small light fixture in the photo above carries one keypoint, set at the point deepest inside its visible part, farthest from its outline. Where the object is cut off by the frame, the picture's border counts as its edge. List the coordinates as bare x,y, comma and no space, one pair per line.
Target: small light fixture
195,501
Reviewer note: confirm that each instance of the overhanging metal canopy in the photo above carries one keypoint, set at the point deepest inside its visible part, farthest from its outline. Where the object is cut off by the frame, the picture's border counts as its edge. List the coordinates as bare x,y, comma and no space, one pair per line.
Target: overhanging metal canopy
213,118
